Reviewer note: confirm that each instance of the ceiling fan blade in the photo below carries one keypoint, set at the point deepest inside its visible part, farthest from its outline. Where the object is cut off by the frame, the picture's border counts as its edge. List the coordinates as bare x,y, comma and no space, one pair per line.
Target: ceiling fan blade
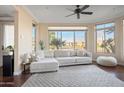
70,9
87,13
70,15
84,7
78,16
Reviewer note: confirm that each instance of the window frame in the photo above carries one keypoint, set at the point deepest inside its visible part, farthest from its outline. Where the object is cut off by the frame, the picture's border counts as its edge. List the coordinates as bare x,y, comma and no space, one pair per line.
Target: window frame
104,36
34,26
73,36
123,36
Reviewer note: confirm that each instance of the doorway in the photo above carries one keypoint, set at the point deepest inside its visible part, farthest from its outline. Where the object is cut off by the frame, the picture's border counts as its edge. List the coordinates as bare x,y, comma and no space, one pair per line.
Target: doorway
7,48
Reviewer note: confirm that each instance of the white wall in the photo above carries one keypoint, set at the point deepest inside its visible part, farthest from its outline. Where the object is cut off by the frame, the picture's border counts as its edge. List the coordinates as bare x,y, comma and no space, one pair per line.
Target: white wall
23,36
119,40
43,34
1,39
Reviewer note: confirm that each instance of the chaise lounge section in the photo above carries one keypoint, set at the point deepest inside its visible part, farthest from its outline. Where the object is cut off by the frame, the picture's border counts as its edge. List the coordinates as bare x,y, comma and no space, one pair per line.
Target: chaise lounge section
44,65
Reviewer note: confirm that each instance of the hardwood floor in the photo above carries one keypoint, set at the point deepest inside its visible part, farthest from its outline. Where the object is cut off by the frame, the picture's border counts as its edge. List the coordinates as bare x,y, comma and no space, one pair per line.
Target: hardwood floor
17,81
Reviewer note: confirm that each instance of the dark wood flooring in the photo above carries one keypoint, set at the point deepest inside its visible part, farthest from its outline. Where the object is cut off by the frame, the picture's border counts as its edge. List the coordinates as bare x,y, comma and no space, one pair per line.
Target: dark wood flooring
17,81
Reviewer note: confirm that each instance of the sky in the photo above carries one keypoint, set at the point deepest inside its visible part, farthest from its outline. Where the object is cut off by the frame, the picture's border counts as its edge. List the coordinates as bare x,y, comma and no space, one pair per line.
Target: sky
33,32
100,35
69,36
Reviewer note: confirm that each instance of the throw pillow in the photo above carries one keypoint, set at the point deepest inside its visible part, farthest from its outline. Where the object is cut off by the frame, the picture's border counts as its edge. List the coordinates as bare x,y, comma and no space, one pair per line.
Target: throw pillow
40,54
80,53
49,54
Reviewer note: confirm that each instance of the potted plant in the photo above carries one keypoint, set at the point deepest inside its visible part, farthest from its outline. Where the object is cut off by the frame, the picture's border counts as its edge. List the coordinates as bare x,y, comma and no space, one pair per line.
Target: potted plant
41,43
9,50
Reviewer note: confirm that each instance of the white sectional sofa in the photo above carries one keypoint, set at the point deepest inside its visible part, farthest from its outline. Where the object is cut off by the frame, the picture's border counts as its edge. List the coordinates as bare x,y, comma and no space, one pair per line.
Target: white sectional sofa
51,60
72,57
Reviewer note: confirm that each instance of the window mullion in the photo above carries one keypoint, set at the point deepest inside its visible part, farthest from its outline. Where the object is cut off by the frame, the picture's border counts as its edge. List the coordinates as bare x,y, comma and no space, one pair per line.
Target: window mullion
74,40
104,39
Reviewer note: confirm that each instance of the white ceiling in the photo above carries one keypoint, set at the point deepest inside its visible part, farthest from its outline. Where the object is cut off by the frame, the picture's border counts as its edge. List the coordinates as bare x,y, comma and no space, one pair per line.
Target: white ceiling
57,13
6,12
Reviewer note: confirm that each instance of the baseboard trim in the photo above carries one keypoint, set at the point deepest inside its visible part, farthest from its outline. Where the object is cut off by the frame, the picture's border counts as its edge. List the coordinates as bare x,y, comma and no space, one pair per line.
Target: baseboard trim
1,67
16,73
121,64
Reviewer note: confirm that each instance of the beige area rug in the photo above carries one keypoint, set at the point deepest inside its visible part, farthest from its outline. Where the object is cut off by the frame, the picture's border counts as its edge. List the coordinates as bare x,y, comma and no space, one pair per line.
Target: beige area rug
74,76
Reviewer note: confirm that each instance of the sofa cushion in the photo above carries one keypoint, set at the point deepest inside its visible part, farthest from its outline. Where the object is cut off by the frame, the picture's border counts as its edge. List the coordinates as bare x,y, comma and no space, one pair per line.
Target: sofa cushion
61,53
33,57
83,53
48,54
83,59
46,64
73,53
65,60
87,54
40,54
80,53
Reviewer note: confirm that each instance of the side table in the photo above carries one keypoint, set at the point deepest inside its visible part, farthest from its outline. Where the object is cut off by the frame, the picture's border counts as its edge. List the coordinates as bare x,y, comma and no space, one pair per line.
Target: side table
26,64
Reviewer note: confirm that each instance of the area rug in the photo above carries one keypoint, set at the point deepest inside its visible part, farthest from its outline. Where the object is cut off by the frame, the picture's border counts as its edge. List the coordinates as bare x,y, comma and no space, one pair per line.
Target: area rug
75,76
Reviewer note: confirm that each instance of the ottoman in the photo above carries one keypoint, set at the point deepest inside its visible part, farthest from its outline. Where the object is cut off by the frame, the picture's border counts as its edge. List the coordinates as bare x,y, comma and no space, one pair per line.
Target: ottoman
106,61
44,65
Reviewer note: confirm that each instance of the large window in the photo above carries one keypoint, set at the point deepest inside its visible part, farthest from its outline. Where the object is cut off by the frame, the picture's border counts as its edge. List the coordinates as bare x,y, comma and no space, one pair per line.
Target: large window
105,38
67,38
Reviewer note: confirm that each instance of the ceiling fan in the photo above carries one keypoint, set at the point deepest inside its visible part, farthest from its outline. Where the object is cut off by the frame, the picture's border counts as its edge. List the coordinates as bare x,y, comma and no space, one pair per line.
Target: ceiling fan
79,11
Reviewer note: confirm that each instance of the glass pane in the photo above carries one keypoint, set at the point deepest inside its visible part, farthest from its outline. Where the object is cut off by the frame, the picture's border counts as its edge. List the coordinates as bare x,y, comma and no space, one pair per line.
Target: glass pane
80,39
105,38
100,26
52,36
8,36
109,41
33,38
59,35
109,25
54,39
68,38
100,39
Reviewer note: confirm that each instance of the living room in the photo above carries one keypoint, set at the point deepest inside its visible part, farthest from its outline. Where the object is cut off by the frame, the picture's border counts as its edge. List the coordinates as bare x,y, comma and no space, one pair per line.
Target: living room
65,44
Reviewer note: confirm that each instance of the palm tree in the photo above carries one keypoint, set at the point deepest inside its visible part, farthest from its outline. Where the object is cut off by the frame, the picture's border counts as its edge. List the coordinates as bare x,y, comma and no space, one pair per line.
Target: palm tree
57,43
109,45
